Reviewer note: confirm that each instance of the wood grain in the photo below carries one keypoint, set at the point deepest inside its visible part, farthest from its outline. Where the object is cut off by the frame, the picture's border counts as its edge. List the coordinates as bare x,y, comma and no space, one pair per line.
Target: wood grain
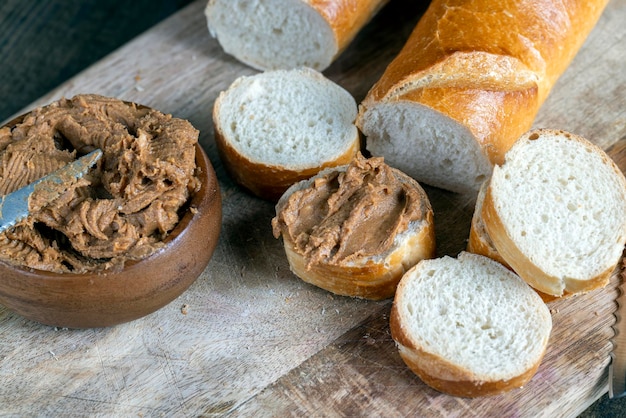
248,338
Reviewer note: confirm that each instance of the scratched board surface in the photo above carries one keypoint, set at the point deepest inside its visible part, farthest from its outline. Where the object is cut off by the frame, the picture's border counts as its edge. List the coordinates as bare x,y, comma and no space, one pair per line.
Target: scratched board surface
249,338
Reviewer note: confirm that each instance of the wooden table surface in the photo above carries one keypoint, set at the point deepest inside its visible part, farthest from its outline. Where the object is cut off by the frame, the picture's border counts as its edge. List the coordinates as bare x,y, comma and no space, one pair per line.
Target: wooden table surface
248,338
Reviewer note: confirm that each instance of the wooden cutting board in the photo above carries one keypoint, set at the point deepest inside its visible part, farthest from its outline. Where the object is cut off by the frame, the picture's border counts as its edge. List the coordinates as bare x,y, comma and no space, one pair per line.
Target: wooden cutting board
248,338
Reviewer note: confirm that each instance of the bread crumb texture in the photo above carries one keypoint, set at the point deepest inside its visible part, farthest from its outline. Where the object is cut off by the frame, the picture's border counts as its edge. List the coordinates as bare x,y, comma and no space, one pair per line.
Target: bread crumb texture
563,203
289,118
474,314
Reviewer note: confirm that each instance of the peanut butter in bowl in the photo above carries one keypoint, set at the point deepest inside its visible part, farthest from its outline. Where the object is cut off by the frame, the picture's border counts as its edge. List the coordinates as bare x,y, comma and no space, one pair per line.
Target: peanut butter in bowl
125,239
123,208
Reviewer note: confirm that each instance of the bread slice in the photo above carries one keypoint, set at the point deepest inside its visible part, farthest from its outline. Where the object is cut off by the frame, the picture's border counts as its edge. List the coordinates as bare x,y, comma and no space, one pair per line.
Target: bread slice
480,242
555,211
276,128
468,326
284,34
467,83
369,276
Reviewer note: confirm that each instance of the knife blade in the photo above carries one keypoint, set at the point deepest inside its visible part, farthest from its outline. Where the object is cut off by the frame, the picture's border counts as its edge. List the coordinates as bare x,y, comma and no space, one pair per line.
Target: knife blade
14,206
617,368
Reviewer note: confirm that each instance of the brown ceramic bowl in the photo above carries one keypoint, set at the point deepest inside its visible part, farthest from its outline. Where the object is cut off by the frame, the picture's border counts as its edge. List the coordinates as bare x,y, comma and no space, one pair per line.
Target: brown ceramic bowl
140,288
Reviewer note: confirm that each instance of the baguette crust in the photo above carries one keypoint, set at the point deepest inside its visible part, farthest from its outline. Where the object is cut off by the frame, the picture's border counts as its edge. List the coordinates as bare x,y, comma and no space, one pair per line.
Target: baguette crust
346,17
369,279
479,241
523,44
373,277
487,66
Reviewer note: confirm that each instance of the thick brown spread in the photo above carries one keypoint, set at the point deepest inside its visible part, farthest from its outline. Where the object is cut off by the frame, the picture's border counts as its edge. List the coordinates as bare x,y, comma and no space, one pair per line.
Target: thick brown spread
123,208
346,215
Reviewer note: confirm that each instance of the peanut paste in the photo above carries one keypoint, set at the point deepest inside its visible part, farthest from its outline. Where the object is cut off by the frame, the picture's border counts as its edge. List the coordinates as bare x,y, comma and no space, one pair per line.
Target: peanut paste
346,215
123,208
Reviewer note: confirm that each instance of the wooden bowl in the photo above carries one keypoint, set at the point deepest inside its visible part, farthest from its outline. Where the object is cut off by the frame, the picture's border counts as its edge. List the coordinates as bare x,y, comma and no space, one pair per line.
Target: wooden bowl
140,288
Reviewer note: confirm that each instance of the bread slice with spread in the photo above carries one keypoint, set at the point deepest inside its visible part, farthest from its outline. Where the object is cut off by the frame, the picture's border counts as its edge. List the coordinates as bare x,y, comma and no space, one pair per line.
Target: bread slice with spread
355,230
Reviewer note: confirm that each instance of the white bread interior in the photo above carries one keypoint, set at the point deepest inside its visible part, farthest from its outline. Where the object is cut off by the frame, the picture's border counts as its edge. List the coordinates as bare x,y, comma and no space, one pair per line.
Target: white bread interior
468,326
555,210
275,128
374,277
425,144
283,34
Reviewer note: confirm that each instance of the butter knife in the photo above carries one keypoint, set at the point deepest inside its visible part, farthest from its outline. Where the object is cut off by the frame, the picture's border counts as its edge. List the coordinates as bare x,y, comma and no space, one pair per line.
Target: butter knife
14,206
617,368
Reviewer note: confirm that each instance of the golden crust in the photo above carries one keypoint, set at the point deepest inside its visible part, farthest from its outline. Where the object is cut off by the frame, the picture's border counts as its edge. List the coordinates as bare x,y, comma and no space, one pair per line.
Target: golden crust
542,37
269,182
487,65
427,367
478,243
372,279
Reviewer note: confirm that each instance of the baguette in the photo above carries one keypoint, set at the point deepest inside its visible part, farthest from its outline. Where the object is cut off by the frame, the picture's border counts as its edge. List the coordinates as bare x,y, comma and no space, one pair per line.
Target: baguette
468,326
555,211
355,230
276,128
284,34
468,82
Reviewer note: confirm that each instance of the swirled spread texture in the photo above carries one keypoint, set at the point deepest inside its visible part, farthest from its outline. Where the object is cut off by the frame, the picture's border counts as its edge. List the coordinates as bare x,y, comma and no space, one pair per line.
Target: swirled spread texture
346,215
123,208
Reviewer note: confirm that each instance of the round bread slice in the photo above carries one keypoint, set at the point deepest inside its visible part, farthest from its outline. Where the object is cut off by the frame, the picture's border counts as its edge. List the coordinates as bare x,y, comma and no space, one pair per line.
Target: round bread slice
555,211
276,128
468,326
360,272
